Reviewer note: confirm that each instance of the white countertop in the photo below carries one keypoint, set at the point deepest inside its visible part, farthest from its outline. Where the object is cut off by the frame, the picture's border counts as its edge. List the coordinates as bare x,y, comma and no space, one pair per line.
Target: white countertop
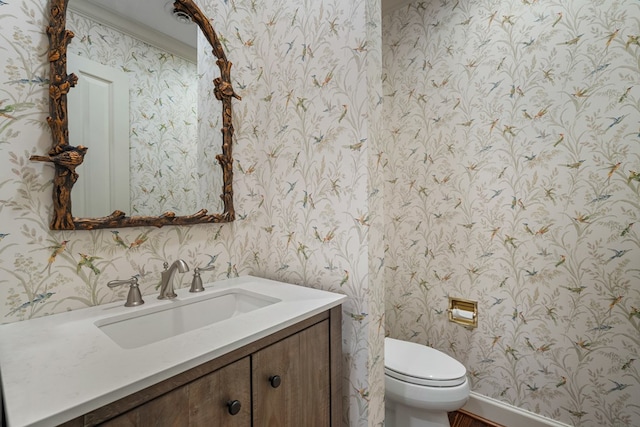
59,367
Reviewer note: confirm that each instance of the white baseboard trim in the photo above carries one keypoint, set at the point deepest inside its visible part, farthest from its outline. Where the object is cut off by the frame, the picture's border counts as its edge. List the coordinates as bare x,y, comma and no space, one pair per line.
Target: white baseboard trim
505,414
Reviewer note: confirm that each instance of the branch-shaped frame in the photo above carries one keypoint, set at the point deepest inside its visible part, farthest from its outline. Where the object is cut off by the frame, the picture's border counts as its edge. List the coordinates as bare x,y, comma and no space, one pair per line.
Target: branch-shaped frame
66,157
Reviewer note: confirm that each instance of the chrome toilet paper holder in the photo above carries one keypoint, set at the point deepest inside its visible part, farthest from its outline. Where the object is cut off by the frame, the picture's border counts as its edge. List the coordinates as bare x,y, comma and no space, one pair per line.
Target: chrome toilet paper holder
463,312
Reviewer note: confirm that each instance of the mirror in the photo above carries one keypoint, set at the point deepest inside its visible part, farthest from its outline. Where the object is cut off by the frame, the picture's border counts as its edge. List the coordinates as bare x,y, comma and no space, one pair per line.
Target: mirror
66,157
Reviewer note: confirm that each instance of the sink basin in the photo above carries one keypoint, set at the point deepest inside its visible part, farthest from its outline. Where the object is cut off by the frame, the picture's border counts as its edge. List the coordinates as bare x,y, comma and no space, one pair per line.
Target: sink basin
143,327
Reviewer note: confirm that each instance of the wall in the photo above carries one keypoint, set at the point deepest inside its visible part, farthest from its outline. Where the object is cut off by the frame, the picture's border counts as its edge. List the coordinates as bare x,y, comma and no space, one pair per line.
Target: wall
513,152
304,143
161,138
309,209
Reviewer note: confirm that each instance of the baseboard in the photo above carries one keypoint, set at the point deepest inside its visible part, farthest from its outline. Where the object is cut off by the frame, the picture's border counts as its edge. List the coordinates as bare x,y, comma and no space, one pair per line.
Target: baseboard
505,414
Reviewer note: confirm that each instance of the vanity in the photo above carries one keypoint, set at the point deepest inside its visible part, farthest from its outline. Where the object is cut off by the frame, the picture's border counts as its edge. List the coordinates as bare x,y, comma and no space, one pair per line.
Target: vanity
247,351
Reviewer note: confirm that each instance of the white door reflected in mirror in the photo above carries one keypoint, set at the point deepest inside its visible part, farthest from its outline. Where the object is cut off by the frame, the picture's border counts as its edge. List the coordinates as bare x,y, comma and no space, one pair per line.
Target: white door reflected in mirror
99,105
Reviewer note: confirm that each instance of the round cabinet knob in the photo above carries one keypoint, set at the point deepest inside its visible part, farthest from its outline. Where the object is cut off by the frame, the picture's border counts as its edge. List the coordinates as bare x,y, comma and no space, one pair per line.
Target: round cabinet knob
234,406
275,381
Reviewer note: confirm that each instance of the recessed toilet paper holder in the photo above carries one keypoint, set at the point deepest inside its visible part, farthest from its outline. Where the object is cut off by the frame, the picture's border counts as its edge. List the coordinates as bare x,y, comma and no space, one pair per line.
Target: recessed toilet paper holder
463,312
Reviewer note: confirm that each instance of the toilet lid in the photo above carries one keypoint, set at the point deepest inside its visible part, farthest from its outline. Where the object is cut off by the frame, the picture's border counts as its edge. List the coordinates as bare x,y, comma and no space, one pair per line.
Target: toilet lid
418,364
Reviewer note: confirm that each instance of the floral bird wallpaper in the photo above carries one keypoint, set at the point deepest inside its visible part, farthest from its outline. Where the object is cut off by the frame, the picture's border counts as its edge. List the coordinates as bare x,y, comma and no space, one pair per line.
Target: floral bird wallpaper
512,157
486,150
309,210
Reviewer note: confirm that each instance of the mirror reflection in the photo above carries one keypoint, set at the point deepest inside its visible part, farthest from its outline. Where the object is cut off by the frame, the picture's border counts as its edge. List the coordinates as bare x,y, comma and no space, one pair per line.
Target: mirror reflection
136,107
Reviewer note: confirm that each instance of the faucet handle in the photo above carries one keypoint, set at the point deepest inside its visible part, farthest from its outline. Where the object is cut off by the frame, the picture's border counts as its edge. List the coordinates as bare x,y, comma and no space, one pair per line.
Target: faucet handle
134,297
196,283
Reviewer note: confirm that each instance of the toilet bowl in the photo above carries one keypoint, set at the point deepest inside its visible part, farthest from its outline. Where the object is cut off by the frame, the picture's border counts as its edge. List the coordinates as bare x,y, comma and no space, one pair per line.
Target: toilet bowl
422,384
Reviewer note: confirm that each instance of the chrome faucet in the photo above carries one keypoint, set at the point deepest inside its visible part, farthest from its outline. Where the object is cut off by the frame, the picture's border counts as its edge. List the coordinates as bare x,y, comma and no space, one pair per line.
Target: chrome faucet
166,283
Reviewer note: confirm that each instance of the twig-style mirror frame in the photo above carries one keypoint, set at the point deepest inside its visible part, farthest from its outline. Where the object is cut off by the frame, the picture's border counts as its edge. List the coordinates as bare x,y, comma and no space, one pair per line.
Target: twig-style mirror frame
67,158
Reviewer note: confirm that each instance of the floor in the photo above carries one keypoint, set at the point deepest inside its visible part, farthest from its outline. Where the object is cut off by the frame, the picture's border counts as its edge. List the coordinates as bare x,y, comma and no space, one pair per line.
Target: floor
466,419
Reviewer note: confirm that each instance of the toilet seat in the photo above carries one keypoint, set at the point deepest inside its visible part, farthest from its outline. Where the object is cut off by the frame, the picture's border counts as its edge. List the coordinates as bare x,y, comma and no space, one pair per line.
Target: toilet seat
421,365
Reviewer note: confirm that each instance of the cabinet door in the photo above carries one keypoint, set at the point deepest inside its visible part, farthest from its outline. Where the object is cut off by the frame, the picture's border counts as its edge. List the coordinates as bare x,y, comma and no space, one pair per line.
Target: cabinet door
201,403
214,398
314,383
291,386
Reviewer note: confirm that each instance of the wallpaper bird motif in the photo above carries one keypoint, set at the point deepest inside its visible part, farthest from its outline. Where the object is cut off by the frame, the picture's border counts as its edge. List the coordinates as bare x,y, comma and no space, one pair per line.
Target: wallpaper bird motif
513,152
309,210
496,159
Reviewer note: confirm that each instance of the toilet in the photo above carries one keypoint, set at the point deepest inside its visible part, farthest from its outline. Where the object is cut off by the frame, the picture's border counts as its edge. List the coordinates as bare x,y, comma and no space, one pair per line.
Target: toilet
422,384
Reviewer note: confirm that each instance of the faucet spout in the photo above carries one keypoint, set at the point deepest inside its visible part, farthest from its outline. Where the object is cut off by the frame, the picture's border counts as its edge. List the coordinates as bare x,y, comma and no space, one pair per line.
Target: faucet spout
166,283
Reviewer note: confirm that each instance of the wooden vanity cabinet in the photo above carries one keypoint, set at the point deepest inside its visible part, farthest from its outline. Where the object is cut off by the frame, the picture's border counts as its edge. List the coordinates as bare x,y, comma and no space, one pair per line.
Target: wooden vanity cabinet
291,378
